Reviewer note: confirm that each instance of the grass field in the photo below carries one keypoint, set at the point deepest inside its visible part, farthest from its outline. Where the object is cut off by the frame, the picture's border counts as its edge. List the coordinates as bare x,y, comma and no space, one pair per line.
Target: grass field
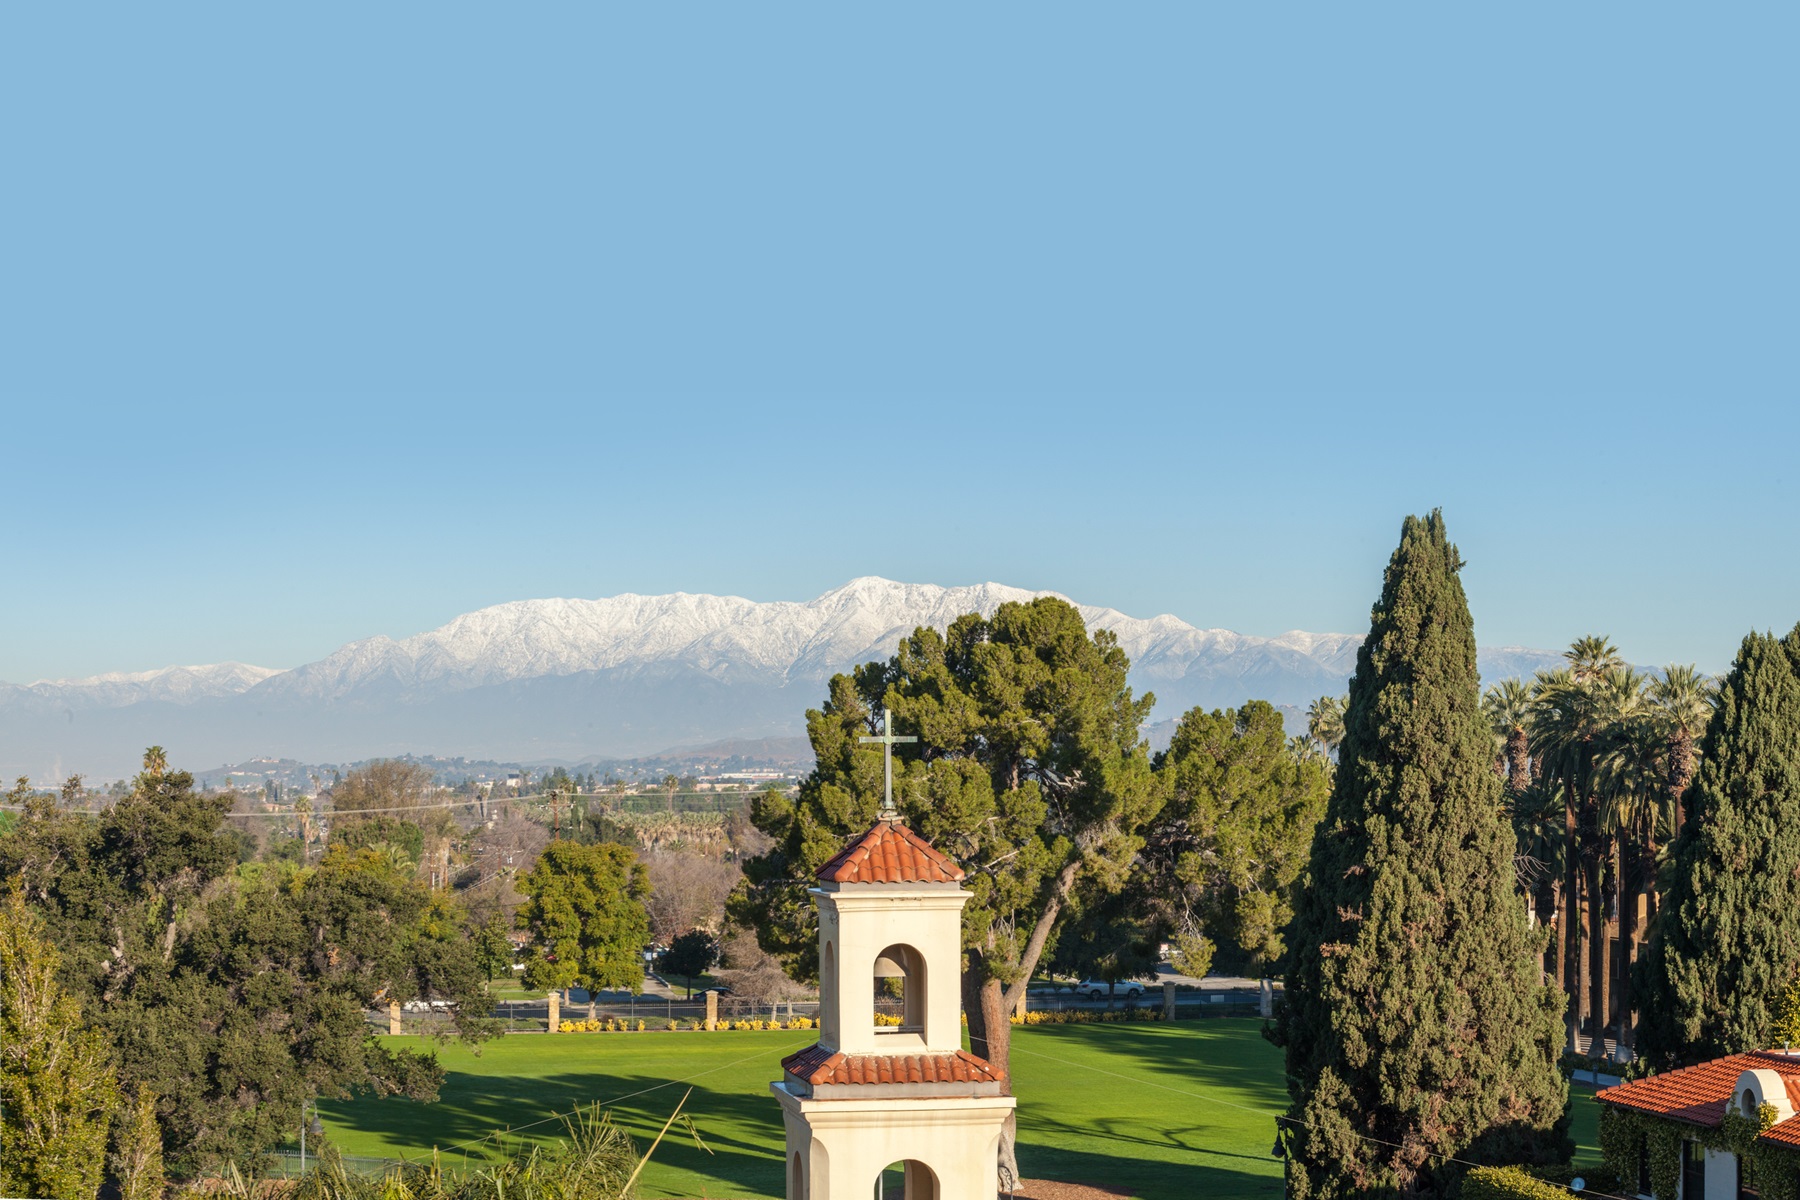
1182,1109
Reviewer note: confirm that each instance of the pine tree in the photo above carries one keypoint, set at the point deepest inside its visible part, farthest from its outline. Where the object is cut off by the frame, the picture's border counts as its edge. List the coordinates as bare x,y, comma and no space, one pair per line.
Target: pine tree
1727,938
1417,1024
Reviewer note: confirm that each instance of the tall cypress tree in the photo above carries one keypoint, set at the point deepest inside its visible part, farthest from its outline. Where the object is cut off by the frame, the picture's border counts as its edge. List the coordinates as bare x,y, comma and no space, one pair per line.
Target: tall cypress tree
1727,940
1417,1023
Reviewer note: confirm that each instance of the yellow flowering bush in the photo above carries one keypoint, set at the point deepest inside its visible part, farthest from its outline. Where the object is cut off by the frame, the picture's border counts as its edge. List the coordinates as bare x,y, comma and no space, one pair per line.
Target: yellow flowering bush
1088,1017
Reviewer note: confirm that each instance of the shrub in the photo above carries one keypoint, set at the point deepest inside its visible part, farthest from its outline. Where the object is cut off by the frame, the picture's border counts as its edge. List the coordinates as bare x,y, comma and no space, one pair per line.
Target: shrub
1076,1016
1508,1183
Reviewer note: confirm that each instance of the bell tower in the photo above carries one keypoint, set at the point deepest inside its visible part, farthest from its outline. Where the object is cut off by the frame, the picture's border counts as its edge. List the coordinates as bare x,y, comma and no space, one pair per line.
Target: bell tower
872,1096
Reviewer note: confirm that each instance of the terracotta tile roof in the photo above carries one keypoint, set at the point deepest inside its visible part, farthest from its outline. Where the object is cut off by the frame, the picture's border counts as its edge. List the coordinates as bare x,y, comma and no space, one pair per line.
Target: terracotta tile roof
1788,1132
1699,1094
817,1065
890,853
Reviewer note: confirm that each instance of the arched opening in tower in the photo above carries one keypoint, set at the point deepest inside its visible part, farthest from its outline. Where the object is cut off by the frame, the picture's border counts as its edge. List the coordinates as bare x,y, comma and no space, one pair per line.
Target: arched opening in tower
906,1180
900,990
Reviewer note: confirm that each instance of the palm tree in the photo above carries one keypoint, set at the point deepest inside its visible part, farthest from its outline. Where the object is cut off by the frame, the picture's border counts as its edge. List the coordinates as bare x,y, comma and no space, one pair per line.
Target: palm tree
1591,657
1684,703
1570,713
1561,728
1325,722
1536,814
1508,708
1628,774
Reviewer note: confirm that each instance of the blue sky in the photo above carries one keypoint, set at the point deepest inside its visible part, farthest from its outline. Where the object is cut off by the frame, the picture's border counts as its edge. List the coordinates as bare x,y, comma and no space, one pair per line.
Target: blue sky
334,322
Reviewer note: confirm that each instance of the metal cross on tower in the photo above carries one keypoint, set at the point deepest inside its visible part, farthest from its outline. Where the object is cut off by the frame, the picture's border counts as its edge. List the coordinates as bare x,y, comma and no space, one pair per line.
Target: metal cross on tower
888,740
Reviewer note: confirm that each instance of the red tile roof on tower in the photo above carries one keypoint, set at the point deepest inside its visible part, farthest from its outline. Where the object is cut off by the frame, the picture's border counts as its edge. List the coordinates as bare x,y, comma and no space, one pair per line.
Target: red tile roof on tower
819,1066
1700,1094
890,853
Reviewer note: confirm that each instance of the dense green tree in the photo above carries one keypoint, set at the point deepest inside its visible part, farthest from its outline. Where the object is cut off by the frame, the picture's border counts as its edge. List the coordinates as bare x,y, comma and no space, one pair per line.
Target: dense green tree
1416,1023
584,910
493,947
381,829
1220,861
691,955
1727,940
1110,936
261,1005
236,994
1029,771
56,1080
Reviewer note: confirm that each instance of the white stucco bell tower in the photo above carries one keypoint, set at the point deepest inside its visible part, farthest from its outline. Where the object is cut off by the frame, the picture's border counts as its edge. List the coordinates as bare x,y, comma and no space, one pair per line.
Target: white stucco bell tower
871,1096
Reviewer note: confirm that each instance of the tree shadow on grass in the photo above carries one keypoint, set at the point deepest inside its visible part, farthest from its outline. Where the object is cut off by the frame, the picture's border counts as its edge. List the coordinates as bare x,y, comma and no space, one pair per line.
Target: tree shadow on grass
1147,1178
1199,1138
1075,1124
481,1117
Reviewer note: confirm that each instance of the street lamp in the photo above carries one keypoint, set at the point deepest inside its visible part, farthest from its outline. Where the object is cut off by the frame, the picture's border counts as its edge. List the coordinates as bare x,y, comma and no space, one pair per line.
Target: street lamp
305,1125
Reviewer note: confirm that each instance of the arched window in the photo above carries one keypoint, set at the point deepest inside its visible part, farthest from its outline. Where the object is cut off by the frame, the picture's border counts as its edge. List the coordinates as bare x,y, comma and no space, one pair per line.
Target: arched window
907,1180
900,990
796,1178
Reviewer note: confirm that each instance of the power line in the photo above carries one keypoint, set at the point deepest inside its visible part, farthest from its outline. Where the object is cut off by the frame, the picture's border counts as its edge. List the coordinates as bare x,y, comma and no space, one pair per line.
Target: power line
539,797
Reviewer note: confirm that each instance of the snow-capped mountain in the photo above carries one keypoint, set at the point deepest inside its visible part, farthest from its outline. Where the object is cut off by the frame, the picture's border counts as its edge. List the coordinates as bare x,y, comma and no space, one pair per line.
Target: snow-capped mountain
730,639
621,675
174,685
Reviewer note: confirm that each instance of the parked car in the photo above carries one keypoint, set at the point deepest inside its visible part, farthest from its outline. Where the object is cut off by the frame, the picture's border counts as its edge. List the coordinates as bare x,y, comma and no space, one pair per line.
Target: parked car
1098,989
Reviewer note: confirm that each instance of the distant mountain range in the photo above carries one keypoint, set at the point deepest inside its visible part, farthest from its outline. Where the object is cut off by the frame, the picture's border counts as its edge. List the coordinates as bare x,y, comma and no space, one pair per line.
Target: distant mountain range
625,676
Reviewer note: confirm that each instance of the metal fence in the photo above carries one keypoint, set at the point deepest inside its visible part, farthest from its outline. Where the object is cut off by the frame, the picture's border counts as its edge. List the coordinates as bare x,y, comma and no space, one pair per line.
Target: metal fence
287,1164
658,1012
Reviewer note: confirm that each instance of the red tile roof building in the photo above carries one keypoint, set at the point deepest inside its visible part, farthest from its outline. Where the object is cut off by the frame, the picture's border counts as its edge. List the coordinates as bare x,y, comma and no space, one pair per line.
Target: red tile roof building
820,1066
1700,1094
890,853
1698,1098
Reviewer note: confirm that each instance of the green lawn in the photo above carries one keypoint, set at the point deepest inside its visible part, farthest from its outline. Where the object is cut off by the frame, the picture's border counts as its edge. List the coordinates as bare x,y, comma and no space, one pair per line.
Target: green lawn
1184,1109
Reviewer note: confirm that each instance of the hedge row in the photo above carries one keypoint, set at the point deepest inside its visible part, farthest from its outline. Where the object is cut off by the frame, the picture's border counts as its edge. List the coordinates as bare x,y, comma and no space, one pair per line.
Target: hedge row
1508,1183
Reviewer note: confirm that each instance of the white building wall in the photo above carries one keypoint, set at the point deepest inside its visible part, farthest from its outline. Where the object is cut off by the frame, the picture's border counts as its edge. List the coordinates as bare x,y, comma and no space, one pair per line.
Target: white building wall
856,923
845,1144
1721,1175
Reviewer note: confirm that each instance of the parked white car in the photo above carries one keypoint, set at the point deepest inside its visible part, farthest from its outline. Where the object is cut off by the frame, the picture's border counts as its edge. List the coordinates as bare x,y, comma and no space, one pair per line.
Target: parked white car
1098,989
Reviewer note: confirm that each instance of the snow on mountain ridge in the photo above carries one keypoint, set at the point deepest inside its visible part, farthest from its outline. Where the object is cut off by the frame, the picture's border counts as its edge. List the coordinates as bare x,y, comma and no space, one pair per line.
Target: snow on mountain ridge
731,638
623,675
177,685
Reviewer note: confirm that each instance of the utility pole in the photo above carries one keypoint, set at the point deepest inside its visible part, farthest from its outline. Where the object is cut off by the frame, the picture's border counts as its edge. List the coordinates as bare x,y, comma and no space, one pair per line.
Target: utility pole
555,813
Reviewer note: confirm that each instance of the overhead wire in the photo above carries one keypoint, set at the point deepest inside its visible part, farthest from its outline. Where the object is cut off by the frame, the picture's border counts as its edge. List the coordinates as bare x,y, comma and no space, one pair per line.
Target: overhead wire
537,797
